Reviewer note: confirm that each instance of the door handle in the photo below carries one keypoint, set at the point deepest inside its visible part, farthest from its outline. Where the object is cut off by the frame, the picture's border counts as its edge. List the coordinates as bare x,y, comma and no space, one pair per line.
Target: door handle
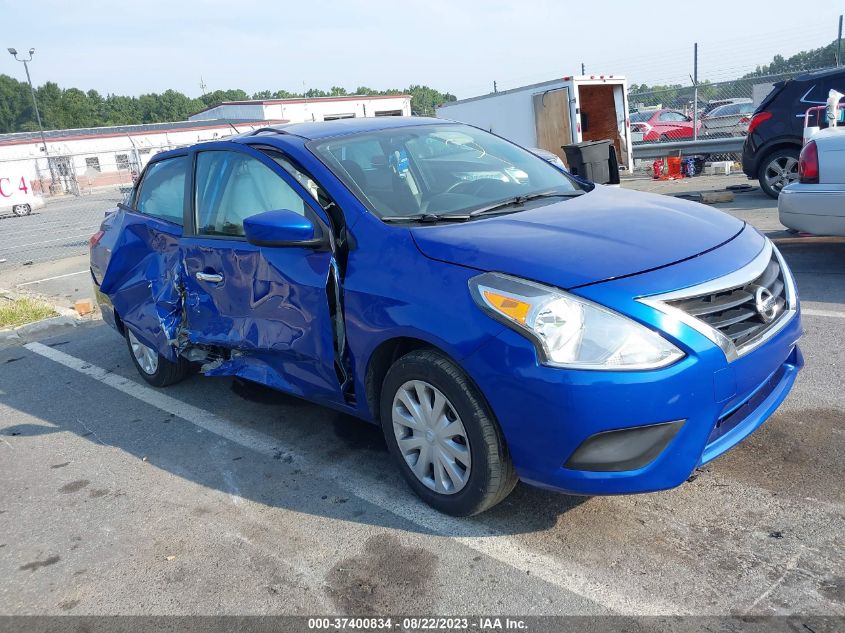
211,277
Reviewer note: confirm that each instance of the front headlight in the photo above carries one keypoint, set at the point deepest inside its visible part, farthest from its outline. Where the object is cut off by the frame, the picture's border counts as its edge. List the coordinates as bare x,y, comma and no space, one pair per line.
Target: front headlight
570,331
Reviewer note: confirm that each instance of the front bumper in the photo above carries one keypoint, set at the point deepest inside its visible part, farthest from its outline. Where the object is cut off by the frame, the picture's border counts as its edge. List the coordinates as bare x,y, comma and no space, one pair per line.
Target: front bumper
547,413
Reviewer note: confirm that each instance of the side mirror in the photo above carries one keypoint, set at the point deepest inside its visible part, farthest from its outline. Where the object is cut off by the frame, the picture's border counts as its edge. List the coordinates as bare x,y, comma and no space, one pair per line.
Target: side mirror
282,228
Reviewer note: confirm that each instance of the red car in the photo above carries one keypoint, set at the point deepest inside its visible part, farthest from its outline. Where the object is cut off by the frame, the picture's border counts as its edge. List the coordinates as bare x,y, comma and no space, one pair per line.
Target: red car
662,125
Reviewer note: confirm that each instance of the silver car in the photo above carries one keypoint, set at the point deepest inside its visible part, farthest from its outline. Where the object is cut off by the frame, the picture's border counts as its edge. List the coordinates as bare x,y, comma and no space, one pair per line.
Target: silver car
816,203
731,119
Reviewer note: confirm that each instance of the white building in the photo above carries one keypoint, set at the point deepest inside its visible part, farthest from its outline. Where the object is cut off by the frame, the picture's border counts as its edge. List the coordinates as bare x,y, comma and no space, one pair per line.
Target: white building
82,159
79,160
314,109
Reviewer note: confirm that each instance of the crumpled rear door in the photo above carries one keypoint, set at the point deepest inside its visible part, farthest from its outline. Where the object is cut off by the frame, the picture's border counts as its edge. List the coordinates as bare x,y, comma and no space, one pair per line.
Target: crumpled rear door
144,279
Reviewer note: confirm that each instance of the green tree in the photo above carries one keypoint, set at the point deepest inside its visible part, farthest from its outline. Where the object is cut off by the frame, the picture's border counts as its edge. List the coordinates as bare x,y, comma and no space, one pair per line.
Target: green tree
805,60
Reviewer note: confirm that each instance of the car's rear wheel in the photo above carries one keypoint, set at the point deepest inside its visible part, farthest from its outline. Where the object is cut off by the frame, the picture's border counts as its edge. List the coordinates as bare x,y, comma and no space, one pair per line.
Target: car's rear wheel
777,170
153,367
21,210
443,435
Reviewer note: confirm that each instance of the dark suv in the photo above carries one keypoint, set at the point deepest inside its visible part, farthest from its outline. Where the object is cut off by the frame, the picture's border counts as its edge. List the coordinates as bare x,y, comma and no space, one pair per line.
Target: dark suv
770,153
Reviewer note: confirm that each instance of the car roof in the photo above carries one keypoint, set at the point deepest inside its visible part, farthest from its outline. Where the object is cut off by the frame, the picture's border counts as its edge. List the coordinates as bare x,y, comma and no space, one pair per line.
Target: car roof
819,74
313,130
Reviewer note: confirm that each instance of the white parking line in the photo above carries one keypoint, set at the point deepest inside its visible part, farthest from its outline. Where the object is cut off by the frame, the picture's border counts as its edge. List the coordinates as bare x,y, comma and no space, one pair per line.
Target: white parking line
38,281
496,545
823,313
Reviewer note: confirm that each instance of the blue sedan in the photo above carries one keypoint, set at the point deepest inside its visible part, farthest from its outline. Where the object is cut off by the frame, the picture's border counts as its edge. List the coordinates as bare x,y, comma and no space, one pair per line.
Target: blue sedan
500,320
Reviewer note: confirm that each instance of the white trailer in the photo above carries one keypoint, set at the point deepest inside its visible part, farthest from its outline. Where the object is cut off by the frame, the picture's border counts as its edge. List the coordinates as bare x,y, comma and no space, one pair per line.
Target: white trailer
554,113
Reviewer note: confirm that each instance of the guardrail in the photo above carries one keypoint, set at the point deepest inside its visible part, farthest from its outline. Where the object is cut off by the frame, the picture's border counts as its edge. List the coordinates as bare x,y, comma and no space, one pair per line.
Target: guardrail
728,145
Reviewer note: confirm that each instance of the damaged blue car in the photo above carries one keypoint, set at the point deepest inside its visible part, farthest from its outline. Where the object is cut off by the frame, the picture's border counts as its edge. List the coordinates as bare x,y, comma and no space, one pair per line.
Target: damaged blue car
500,319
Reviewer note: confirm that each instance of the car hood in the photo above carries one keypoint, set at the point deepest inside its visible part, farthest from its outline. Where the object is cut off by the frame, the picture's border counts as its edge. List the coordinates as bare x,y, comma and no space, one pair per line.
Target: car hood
604,234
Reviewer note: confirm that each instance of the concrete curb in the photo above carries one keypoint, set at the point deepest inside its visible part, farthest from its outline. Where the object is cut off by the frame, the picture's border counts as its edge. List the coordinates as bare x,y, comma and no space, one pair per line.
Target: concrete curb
65,317
22,331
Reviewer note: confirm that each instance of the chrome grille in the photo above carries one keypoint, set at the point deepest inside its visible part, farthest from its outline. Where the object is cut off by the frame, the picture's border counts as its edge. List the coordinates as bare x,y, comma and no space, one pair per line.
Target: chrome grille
736,312
739,311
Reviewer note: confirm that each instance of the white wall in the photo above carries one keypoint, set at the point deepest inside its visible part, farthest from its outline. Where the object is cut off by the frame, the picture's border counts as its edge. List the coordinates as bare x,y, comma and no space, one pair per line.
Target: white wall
298,111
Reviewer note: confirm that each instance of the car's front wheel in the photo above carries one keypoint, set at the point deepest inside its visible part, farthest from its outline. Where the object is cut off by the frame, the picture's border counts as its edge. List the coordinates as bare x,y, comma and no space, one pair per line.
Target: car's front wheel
153,367
443,435
777,170
21,210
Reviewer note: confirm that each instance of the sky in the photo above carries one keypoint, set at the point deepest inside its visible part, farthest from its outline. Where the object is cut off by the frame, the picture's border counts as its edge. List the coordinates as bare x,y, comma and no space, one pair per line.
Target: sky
456,46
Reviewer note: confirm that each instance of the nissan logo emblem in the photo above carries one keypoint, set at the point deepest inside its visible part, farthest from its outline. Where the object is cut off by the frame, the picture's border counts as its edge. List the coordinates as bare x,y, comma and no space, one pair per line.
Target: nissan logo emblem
766,304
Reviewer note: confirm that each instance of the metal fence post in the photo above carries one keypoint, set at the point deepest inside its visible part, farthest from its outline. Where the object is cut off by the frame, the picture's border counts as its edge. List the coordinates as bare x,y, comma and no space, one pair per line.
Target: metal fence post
695,92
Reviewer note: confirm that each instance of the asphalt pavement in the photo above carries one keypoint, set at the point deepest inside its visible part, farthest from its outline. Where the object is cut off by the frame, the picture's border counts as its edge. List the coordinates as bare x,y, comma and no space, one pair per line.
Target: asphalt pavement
213,497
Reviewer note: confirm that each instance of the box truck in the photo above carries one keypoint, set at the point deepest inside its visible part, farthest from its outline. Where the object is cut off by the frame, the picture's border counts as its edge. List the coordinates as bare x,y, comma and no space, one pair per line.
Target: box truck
554,113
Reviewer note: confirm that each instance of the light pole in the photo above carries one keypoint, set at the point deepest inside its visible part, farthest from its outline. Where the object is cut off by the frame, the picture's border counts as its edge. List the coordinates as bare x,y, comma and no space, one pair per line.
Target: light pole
25,62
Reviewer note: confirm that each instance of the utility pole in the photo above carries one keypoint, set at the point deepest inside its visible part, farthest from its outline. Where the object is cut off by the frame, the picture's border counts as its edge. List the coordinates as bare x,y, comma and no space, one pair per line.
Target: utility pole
695,92
583,72
495,87
839,44
25,62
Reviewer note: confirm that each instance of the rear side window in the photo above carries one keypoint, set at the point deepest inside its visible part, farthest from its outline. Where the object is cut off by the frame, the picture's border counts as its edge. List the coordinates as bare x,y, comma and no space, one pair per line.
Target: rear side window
231,187
162,193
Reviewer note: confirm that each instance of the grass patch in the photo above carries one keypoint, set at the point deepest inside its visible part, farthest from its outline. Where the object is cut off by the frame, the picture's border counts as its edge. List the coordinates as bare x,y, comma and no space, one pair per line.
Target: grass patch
17,312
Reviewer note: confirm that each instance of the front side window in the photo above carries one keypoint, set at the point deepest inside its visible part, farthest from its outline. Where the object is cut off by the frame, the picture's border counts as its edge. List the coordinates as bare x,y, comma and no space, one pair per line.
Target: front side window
230,187
438,169
308,183
672,117
162,192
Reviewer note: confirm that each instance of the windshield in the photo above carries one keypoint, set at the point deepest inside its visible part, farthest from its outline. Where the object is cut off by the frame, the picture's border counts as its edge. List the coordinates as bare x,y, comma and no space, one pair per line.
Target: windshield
437,169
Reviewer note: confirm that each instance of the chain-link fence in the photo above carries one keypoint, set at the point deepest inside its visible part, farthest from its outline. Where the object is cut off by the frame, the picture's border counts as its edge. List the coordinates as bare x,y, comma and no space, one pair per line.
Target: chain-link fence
59,229
57,202
713,110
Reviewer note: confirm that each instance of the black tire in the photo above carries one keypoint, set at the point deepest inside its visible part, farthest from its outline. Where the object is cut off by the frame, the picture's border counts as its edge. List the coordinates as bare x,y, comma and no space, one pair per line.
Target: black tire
492,476
166,372
780,156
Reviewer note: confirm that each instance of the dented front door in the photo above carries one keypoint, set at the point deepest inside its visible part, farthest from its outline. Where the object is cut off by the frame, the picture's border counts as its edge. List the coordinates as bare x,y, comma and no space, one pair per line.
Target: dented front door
261,313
